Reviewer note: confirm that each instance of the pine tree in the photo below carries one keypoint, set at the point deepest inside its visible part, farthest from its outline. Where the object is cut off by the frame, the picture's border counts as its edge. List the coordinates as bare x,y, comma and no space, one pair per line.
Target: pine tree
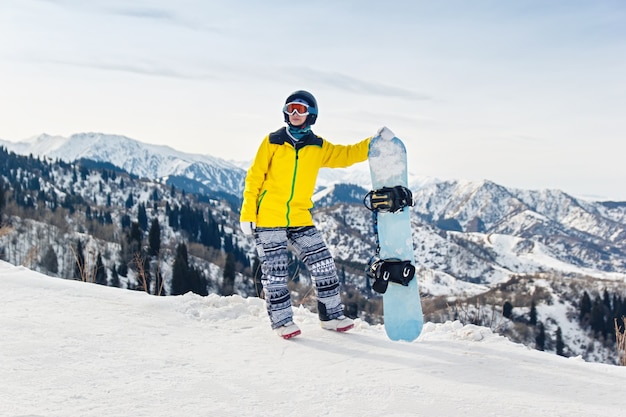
100,272
180,271
533,314
130,249
228,243
154,237
125,221
540,339
2,199
142,217
585,308
617,306
198,282
597,317
184,277
53,201
115,278
172,216
606,299
129,201
79,264
134,238
84,172
620,309
122,270
560,346
50,261
507,309
228,284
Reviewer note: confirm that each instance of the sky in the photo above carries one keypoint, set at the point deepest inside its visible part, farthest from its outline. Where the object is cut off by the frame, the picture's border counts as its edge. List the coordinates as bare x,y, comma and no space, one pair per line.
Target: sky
71,348
529,94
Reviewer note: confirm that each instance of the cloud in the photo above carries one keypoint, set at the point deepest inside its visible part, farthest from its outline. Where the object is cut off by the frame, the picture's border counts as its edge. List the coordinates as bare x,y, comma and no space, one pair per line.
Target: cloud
354,85
155,15
161,16
98,7
150,69
146,13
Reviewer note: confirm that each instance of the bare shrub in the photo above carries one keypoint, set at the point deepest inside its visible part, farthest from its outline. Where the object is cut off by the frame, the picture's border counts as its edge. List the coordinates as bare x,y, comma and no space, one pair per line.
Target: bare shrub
5,230
142,277
477,313
620,338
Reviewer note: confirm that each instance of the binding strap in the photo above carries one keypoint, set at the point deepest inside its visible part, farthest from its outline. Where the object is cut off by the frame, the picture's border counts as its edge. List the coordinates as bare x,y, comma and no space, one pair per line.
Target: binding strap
381,271
388,199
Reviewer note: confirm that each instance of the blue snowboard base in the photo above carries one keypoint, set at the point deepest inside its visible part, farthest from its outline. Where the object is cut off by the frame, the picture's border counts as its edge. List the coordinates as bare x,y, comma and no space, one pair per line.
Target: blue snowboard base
402,307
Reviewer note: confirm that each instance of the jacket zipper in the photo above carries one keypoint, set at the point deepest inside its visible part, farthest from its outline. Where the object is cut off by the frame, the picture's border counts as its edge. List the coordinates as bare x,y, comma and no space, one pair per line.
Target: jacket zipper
258,204
293,187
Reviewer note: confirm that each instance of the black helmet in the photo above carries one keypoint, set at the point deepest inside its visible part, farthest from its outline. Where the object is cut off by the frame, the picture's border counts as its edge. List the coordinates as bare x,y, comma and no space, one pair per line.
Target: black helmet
307,98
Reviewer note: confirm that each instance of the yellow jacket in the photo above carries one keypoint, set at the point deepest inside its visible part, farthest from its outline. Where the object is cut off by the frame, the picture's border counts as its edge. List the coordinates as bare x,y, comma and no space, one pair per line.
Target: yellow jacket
281,181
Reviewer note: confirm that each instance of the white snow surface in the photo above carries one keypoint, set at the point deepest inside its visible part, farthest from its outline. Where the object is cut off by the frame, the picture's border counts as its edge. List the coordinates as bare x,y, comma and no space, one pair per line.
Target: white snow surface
70,348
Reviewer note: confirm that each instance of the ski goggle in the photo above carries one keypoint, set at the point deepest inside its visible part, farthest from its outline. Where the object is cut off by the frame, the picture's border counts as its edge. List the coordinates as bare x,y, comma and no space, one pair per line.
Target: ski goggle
295,107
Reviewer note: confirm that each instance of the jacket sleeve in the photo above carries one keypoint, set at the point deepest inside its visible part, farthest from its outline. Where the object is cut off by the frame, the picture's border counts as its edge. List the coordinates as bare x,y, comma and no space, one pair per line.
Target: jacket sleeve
254,181
341,156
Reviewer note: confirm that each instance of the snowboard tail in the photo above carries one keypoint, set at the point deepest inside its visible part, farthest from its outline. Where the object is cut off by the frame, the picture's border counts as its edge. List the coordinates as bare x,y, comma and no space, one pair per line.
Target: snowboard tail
402,308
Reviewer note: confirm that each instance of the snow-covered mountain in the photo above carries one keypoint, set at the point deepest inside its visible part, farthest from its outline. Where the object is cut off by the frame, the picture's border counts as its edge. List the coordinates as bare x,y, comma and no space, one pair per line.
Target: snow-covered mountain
481,232
581,233
469,216
196,173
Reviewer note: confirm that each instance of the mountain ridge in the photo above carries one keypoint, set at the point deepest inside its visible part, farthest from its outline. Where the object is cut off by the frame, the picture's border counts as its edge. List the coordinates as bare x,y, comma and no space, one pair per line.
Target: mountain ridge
160,162
155,162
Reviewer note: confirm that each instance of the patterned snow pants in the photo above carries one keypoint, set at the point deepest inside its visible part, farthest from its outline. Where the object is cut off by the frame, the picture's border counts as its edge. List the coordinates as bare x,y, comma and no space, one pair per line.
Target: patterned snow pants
308,245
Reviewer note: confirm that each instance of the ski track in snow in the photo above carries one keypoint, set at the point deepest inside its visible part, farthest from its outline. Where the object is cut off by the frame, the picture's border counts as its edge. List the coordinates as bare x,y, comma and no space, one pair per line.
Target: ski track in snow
76,349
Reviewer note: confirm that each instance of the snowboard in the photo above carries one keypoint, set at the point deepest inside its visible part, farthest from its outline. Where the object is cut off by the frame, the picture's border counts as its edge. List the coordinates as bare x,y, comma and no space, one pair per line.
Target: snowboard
402,308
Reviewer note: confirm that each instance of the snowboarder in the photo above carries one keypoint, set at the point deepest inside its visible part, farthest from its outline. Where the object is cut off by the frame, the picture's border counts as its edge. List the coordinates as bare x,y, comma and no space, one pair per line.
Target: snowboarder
276,209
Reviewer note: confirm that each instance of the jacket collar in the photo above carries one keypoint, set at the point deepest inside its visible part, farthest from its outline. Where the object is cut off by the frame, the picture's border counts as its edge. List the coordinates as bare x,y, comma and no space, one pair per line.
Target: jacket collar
280,137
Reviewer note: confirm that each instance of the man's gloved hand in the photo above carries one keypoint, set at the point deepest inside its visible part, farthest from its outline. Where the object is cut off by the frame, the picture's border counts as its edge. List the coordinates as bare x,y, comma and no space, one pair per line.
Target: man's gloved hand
385,133
247,227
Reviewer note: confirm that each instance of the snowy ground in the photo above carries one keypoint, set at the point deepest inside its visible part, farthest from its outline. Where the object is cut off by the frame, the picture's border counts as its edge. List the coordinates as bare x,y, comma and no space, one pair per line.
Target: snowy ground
69,348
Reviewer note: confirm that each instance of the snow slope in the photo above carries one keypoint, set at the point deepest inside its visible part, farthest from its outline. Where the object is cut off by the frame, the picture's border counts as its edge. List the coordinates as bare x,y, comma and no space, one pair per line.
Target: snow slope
75,349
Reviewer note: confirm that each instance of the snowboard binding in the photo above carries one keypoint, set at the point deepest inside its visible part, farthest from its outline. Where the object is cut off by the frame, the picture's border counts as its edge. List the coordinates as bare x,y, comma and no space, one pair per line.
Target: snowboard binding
388,199
381,271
